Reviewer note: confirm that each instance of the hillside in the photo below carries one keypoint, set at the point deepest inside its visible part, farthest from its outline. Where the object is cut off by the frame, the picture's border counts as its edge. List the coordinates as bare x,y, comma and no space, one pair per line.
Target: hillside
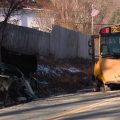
75,14
113,8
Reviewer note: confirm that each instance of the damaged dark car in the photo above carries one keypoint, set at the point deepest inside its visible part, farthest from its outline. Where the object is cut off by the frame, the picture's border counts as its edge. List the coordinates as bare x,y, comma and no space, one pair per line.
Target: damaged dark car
13,86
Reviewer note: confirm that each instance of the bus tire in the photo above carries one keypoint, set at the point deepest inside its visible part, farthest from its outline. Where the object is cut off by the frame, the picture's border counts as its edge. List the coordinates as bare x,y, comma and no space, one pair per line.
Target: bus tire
98,85
105,88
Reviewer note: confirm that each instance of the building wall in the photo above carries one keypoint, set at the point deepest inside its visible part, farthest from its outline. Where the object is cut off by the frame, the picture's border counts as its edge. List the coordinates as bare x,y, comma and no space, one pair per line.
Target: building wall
66,43
26,40
61,42
83,45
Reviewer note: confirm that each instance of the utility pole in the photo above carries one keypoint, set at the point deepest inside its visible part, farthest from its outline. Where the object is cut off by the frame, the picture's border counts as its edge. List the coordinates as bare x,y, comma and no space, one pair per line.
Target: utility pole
94,13
92,24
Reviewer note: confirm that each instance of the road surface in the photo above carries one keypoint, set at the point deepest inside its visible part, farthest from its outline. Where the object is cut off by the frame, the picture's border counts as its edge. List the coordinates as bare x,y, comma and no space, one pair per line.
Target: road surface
88,106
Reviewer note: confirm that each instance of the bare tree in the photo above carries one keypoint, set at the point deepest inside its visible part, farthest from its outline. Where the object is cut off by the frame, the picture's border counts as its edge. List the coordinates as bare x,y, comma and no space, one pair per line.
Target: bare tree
78,13
10,8
44,20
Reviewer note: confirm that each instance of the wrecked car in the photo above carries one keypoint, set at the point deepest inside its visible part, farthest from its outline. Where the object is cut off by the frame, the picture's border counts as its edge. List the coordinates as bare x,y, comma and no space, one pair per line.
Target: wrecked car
13,85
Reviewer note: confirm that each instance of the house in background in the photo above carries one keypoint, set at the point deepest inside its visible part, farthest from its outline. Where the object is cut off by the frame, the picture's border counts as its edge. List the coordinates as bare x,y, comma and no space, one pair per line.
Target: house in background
37,14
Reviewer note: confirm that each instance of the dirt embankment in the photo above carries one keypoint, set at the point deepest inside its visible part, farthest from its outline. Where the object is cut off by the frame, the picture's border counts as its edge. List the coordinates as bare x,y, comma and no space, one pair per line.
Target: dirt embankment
67,75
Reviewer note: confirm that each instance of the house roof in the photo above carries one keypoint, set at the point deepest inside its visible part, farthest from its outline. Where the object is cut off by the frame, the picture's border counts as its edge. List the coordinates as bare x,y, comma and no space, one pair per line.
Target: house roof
38,4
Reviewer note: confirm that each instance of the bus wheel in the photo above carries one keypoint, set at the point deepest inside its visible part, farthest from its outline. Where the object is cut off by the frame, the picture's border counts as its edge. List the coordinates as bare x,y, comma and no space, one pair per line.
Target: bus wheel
97,85
105,88
108,88
100,86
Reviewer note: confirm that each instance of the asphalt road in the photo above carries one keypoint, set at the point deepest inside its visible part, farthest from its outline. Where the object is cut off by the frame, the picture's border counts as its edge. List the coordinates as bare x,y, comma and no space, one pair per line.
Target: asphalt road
87,106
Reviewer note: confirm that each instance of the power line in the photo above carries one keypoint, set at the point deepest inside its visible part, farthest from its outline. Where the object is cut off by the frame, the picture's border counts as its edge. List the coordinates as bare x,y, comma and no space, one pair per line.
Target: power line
96,23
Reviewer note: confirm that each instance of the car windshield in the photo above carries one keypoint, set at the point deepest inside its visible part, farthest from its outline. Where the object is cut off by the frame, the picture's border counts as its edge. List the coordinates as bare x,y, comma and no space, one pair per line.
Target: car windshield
110,45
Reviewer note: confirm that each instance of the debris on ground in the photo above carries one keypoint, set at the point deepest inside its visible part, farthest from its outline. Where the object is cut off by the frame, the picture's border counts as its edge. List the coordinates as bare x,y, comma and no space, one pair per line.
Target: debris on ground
60,79
50,78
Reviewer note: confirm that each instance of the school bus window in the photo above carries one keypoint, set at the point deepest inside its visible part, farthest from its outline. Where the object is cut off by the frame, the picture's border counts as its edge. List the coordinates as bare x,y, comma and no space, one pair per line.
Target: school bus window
104,47
110,45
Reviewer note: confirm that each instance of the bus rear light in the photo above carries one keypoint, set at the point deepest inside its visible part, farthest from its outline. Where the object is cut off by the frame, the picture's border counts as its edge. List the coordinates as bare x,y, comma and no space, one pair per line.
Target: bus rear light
105,30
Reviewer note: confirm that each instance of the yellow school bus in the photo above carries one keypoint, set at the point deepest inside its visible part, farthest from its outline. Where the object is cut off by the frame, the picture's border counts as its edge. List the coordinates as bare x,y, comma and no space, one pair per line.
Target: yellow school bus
107,67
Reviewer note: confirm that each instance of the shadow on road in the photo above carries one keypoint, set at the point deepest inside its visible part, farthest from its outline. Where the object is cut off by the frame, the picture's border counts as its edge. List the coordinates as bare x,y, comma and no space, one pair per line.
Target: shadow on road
111,112
40,107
